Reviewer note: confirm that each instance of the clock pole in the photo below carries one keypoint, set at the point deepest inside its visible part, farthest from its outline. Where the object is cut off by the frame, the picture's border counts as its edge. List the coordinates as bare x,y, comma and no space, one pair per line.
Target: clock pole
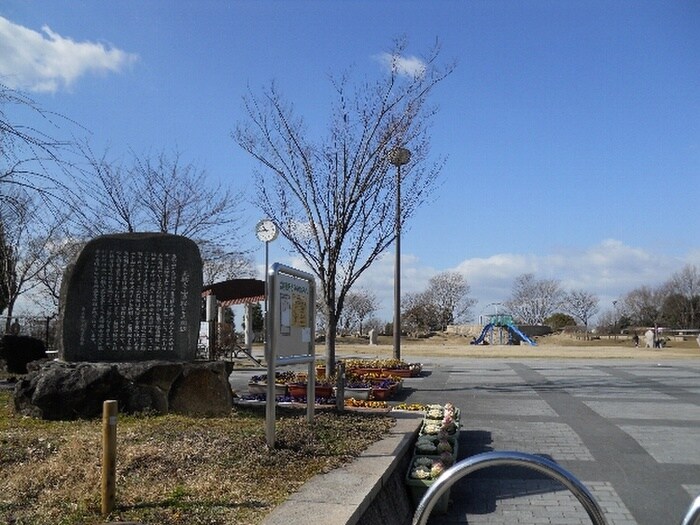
267,231
267,253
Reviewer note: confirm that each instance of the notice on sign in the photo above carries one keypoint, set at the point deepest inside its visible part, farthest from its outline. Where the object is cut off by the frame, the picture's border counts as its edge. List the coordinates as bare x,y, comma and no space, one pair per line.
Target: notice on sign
293,315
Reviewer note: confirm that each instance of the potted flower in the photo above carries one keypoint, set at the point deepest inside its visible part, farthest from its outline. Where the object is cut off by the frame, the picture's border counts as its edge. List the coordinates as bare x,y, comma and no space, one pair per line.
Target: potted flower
421,475
435,450
437,445
298,387
258,384
382,389
357,388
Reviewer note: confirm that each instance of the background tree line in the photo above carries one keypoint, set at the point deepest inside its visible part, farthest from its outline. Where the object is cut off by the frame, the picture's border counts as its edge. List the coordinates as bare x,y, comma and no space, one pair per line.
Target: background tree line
673,304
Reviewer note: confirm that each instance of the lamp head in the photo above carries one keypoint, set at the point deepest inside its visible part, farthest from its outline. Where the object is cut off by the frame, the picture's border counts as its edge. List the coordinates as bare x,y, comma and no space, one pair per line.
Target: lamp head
399,156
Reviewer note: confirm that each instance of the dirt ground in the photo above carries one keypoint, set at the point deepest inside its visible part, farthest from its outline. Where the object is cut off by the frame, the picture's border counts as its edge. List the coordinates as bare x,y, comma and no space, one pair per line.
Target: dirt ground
552,346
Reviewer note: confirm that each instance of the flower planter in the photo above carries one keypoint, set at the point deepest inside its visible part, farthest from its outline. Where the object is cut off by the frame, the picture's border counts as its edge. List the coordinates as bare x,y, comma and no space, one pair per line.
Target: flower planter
435,453
357,393
324,391
381,394
418,487
299,390
434,427
429,419
296,390
416,369
365,371
397,372
261,389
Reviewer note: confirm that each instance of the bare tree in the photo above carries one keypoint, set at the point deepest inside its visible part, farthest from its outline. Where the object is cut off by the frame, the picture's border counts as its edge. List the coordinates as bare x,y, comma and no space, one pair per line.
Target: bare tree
31,158
334,198
29,234
419,314
7,270
163,193
685,284
445,301
220,265
534,300
359,305
608,322
644,305
449,293
582,305
60,252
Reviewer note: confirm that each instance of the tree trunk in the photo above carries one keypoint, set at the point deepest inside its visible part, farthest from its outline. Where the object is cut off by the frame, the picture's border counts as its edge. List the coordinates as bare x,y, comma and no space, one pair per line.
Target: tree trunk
10,309
331,330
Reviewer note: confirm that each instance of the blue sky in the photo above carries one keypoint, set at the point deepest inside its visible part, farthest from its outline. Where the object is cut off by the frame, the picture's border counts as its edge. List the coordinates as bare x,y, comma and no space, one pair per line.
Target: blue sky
571,129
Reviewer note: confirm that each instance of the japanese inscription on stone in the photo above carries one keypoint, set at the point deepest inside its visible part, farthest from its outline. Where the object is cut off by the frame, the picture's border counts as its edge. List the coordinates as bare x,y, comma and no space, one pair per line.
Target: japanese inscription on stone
132,297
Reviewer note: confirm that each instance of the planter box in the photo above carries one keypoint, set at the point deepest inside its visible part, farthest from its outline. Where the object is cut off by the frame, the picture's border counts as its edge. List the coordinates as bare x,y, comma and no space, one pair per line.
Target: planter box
261,389
356,393
381,394
457,416
299,390
452,440
397,372
429,428
363,370
418,487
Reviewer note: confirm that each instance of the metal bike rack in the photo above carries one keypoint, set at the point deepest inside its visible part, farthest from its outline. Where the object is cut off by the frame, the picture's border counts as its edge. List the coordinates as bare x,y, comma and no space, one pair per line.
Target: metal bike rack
692,517
513,459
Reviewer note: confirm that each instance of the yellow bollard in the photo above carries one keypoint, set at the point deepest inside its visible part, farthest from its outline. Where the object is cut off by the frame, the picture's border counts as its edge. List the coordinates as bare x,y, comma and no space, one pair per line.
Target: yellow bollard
109,455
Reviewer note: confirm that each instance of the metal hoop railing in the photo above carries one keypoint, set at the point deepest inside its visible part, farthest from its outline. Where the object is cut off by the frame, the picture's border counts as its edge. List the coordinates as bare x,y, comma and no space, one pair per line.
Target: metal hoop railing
494,459
692,517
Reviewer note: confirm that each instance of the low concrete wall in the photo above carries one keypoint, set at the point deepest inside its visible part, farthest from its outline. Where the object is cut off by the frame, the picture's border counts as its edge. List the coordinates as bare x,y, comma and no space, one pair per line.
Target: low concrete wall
368,491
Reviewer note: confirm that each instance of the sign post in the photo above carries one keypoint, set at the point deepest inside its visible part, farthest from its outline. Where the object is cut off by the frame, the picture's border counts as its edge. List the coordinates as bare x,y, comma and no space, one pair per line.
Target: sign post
290,333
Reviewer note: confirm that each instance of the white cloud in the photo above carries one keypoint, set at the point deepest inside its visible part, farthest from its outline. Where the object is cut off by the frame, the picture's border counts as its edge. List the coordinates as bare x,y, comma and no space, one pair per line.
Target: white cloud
609,269
47,61
409,66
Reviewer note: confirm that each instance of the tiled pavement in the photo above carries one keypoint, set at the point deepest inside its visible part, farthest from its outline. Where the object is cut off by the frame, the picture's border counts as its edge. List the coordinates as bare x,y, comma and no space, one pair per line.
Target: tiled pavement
629,430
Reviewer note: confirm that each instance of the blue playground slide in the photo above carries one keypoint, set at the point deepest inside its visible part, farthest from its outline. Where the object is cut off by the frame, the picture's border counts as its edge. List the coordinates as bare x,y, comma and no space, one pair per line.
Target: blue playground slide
514,331
484,332
522,336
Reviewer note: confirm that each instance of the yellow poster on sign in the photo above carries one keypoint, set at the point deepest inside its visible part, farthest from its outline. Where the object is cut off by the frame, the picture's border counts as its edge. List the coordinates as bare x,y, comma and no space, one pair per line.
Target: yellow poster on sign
300,311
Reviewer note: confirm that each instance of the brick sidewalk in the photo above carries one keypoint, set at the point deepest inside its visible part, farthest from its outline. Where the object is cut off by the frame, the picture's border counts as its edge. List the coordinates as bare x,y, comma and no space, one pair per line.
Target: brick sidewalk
629,429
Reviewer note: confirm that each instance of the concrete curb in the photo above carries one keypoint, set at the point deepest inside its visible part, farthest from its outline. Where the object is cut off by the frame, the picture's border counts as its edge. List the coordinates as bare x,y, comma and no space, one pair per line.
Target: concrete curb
343,495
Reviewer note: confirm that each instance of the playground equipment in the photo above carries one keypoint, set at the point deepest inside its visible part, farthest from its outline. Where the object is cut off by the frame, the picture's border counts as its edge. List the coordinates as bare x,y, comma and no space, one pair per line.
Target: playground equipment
505,322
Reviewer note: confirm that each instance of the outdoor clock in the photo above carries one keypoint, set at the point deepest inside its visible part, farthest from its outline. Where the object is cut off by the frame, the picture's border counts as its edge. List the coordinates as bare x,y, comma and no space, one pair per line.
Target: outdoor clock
266,230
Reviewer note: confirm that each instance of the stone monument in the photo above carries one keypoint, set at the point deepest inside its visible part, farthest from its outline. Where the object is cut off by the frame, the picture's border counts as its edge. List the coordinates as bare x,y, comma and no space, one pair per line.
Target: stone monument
132,297
128,330
372,337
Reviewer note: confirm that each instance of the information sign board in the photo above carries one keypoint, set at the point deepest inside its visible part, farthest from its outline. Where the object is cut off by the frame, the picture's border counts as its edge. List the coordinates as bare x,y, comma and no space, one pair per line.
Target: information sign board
290,332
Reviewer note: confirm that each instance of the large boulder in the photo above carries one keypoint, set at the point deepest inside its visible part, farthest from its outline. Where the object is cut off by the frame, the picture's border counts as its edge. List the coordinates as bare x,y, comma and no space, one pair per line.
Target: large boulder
58,390
19,350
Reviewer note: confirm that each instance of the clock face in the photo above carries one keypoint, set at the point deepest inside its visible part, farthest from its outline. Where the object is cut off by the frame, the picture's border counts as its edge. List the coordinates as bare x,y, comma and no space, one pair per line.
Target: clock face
266,230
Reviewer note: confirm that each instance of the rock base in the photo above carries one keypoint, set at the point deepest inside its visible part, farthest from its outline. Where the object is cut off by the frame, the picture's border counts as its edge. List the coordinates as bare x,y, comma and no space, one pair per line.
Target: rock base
57,390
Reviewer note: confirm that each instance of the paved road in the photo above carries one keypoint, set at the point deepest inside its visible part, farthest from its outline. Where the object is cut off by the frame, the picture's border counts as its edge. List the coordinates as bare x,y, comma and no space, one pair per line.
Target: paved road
629,429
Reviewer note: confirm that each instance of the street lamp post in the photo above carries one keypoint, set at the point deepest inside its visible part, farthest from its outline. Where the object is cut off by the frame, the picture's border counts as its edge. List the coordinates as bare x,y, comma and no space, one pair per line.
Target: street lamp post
398,157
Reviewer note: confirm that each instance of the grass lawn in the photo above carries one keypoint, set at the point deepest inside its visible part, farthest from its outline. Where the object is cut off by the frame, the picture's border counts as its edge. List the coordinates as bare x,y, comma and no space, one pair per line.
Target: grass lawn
171,469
